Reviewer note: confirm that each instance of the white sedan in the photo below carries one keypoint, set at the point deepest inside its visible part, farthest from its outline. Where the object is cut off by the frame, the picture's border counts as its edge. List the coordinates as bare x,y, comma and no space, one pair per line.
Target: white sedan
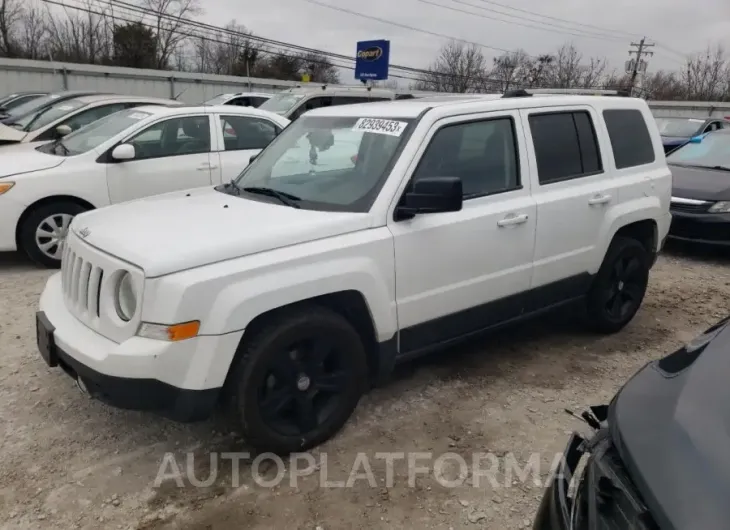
128,155
70,115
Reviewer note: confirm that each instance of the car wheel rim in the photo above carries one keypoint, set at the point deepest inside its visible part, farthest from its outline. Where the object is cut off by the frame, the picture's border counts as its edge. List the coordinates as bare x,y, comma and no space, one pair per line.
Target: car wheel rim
51,234
302,386
624,290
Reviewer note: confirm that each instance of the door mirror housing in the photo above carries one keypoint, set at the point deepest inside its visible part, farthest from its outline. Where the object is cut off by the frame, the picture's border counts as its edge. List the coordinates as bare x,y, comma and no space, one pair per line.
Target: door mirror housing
63,130
124,152
432,195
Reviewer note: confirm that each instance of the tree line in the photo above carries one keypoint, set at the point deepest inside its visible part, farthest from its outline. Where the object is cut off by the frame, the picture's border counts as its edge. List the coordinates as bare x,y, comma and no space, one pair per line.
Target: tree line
150,34
158,34
460,67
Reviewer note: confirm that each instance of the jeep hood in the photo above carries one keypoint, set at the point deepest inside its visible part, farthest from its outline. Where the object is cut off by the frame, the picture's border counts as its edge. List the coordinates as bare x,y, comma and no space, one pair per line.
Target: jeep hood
186,229
16,160
671,425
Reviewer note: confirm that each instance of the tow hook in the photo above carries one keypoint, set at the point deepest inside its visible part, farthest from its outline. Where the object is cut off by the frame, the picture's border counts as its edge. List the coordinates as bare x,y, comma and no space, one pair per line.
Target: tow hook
82,386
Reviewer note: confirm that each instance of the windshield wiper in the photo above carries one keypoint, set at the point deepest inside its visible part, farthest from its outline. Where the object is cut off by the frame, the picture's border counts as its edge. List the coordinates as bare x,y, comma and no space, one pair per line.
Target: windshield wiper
285,198
721,168
64,149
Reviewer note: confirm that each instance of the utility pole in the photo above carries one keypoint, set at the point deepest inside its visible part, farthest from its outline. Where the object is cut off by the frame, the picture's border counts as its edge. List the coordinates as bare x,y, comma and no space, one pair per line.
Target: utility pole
639,52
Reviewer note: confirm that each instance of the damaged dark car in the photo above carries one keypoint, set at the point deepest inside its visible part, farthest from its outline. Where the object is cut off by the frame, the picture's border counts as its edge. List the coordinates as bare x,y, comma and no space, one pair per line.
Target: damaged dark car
657,457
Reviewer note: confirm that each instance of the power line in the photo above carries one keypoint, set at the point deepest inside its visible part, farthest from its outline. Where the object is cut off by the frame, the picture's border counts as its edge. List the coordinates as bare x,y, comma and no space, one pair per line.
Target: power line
600,28
561,30
411,28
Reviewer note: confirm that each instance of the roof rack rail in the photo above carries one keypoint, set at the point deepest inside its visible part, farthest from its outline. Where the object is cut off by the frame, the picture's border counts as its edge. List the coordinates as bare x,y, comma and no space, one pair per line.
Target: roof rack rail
521,92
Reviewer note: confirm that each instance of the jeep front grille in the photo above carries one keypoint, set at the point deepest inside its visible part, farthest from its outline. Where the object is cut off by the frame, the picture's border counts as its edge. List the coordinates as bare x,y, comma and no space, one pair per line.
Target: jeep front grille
82,282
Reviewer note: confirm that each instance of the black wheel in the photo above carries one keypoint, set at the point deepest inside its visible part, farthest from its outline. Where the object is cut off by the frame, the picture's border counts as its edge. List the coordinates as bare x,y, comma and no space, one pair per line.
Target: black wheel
43,232
619,286
298,380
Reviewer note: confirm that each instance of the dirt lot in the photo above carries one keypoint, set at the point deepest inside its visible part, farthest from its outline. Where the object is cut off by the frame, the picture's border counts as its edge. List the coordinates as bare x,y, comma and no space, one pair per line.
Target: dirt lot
69,462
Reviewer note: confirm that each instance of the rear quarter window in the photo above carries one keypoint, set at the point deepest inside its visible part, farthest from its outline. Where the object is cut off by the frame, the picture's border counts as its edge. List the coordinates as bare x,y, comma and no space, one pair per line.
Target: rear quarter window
630,139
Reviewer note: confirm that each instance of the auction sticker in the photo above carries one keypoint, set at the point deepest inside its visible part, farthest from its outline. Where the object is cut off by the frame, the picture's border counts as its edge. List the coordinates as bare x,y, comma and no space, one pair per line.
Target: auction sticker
380,126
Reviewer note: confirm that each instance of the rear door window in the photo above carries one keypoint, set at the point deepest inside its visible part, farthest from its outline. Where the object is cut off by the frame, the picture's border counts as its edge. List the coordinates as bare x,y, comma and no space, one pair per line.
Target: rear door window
630,139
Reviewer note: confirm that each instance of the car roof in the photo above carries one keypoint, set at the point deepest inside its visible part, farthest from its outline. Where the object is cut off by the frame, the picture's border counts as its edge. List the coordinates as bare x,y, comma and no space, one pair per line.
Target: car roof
96,98
210,109
412,108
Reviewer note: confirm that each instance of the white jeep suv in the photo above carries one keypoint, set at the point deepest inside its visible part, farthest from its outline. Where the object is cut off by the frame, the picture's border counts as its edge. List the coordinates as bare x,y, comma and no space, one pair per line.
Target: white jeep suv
362,236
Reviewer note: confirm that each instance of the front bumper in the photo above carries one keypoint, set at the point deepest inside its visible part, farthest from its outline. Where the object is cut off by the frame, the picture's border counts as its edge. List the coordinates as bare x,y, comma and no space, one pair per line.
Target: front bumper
701,227
10,212
555,507
171,378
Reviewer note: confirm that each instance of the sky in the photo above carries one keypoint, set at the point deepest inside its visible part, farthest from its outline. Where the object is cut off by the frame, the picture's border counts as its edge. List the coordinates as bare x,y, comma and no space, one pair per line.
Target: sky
676,26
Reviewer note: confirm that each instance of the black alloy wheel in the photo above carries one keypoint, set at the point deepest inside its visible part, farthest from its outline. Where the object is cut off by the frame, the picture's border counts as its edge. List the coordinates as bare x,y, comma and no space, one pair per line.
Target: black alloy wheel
299,380
619,287
626,289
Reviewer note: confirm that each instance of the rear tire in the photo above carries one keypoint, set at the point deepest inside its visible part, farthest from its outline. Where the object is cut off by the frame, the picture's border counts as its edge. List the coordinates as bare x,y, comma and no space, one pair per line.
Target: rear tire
620,285
43,232
299,380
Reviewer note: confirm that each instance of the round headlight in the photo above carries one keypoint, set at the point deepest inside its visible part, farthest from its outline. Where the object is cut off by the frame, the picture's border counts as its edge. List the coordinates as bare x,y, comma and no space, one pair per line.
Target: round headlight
126,297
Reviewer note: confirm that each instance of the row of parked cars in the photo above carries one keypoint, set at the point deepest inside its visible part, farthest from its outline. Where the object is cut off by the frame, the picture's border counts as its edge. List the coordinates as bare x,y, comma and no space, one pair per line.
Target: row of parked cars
289,280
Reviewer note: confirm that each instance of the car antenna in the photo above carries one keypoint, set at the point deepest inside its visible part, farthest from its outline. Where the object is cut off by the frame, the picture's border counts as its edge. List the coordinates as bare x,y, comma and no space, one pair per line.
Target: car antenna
180,93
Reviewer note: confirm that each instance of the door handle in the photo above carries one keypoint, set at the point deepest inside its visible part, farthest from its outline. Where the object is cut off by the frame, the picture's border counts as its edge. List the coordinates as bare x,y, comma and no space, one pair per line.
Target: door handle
599,199
206,167
513,219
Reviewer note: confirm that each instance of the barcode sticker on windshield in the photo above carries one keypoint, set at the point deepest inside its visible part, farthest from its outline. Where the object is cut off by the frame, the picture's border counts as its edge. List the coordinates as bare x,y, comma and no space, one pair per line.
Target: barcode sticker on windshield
138,115
66,107
378,126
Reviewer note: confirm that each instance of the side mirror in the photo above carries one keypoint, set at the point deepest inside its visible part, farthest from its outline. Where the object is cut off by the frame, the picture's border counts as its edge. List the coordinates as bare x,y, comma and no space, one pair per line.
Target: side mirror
697,139
432,195
63,130
124,152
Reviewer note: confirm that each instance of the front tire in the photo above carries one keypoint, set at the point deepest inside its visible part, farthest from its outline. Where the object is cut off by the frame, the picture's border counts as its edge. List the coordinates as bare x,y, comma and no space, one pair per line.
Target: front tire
43,232
299,380
620,285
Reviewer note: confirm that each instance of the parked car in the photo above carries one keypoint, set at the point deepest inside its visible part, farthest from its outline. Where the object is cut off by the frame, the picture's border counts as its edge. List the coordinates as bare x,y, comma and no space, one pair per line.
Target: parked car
37,105
658,454
16,99
128,155
298,284
64,117
241,99
678,131
701,190
294,102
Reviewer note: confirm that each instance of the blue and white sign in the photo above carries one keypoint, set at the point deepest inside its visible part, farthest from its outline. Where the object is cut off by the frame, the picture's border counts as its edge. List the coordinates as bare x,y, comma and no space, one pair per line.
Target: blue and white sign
372,59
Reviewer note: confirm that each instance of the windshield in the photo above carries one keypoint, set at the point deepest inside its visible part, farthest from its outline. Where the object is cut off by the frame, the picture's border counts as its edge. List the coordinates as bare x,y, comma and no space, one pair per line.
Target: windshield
328,163
96,133
32,105
219,100
712,151
34,121
281,103
679,126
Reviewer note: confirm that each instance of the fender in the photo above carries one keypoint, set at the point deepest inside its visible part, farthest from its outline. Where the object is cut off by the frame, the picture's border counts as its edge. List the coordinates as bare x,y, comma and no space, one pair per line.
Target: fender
238,304
632,211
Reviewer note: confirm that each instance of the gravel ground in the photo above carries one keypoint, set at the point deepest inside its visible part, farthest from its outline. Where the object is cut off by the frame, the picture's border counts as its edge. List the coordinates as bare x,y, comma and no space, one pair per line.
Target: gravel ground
70,462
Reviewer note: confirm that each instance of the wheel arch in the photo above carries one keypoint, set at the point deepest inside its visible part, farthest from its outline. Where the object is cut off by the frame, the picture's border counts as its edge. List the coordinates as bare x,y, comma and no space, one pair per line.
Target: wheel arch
43,202
351,304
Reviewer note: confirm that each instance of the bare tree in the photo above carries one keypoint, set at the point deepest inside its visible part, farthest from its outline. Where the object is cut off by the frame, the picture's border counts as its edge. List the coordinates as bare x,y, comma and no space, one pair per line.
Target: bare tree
458,68
705,76
511,70
11,12
33,34
170,26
